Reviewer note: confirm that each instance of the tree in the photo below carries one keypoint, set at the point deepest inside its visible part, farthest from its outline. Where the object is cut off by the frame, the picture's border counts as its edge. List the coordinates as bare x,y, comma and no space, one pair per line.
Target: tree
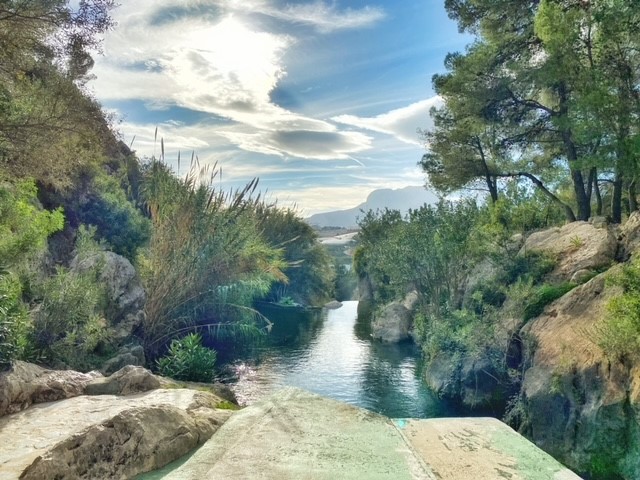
49,129
310,273
564,92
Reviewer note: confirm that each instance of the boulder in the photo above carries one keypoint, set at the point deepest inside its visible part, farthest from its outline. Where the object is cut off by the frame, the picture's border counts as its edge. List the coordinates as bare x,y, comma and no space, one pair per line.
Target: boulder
126,381
298,435
106,436
123,286
25,384
576,246
630,235
581,404
392,324
471,382
126,356
333,305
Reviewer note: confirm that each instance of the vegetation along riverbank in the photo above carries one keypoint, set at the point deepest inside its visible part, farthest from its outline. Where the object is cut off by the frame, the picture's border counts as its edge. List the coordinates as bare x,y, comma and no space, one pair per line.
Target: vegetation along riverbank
521,286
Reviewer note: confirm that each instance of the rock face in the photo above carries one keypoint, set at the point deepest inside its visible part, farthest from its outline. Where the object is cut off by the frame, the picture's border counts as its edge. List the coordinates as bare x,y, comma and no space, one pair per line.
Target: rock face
394,322
106,436
125,291
126,381
472,382
583,407
26,384
577,246
296,434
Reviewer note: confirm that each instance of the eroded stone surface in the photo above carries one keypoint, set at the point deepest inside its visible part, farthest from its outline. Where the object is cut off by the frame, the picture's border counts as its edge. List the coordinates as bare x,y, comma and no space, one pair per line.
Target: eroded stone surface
299,435
96,437
577,246
25,384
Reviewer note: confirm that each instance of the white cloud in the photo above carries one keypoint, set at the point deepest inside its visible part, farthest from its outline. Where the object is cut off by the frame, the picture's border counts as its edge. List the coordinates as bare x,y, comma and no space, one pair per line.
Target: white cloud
327,17
206,56
403,123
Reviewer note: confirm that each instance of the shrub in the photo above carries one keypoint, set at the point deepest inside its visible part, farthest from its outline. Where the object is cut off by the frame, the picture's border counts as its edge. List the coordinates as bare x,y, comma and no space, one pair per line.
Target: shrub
116,219
14,322
188,360
69,325
620,334
24,227
543,296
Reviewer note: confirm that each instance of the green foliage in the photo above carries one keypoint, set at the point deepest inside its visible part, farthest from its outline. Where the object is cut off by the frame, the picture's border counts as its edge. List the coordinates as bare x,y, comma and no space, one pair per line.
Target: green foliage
206,261
117,220
15,327
69,325
543,296
346,282
620,334
188,360
431,251
531,266
24,227
309,271
49,129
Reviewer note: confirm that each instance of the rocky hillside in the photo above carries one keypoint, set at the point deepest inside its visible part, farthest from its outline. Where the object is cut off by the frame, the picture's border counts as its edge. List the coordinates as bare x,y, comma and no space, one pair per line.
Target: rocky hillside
567,394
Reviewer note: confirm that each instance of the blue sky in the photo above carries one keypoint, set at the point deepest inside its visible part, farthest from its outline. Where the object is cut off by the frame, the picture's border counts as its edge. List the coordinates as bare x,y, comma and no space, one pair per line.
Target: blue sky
320,99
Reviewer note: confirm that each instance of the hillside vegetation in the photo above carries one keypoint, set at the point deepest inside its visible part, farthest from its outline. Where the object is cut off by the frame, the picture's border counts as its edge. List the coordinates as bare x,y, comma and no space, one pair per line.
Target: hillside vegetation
79,210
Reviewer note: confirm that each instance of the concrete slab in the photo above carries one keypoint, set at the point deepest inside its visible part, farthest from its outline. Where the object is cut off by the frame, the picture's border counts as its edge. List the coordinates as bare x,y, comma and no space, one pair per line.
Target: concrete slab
479,448
298,435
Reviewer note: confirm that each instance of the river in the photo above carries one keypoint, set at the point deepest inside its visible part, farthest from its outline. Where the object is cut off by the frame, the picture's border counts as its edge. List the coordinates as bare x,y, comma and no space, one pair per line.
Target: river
331,354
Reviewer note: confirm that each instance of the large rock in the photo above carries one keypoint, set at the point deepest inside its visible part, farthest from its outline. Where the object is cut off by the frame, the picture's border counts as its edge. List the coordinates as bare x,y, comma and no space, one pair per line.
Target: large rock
630,235
126,381
106,436
132,355
394,322
577,246
471,382
583,407
123,285
299,435
25,384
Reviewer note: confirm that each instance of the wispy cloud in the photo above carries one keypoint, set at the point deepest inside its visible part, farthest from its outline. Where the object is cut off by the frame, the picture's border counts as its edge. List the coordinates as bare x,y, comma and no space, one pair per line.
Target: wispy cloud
206,57
403,123
327,17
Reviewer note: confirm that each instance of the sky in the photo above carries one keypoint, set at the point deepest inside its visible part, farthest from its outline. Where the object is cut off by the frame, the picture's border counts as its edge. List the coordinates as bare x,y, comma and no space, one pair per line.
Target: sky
320,99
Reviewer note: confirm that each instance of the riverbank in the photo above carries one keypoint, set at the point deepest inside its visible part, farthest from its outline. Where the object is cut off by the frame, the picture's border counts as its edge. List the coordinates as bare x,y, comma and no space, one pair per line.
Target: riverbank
291,434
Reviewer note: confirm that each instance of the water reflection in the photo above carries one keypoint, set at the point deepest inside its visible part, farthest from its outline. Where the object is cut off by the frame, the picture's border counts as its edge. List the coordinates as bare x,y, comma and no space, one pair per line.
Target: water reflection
333,356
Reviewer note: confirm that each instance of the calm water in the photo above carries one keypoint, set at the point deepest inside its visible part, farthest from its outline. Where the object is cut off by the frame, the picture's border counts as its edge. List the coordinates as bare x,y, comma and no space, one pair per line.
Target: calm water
331,354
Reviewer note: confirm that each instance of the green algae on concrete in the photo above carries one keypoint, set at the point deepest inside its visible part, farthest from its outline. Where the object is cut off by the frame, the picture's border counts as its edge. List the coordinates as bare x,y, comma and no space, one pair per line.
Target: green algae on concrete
479,448
297,435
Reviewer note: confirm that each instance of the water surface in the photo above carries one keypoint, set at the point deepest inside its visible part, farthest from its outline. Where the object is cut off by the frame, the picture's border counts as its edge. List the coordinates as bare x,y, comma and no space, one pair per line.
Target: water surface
333,355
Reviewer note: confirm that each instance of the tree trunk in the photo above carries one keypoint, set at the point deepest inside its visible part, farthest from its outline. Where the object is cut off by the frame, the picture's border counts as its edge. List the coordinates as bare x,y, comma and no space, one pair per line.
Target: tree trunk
596,189
633,201
582,199
568,211
616,200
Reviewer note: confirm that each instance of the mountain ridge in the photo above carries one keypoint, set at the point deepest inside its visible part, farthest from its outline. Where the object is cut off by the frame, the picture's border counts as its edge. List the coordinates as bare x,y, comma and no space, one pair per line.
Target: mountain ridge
402,199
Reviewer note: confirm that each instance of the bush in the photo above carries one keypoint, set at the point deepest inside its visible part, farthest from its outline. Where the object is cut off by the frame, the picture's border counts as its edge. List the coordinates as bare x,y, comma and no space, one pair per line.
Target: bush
543,296
188,360
14,322
69,323
620,334
116,219
24,227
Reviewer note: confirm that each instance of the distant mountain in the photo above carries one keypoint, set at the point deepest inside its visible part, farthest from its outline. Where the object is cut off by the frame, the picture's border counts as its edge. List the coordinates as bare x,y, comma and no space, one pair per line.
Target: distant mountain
401,199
